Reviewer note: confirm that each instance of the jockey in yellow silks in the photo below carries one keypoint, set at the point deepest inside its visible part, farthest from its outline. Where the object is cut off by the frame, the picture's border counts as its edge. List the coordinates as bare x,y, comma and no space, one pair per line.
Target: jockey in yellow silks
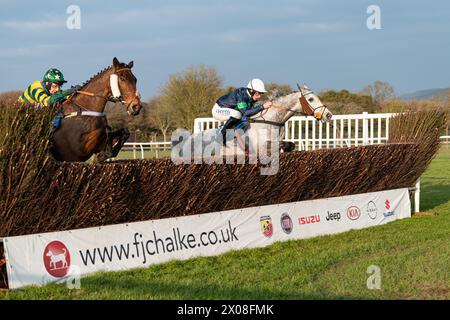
46,93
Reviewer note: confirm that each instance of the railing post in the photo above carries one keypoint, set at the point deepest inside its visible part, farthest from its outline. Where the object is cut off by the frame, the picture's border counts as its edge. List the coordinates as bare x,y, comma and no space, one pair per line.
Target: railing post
417,197
142,151
365,129
197,125
446,132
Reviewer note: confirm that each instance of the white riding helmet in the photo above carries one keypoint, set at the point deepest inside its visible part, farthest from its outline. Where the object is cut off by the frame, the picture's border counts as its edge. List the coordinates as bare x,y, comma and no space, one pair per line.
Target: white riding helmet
257,85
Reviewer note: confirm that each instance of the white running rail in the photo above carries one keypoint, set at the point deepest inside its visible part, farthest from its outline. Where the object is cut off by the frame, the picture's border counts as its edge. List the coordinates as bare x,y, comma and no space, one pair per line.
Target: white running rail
146,146
343,131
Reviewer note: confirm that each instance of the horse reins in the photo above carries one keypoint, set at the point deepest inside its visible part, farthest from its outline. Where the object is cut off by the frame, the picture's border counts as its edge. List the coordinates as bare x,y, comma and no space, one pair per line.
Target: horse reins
281,107
93,95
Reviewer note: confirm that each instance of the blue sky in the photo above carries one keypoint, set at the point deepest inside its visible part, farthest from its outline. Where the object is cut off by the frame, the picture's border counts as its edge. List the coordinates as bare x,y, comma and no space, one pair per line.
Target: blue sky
325,44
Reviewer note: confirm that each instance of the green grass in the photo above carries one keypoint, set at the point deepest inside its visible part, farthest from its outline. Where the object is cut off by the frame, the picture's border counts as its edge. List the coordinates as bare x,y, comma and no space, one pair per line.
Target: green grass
413,256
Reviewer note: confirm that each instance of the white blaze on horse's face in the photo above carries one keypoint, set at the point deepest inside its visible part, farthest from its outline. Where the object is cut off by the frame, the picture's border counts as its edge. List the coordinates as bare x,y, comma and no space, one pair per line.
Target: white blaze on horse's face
123,87
114,84
320,111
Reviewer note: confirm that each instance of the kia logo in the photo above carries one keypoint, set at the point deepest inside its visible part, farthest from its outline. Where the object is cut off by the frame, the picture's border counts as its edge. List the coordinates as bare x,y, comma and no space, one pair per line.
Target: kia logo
353,213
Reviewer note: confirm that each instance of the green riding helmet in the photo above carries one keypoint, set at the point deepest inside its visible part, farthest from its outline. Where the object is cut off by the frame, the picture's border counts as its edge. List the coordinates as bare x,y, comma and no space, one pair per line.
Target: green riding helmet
55,76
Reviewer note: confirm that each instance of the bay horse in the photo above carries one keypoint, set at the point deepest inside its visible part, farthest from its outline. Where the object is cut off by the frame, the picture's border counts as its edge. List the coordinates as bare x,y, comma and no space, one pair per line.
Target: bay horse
84,130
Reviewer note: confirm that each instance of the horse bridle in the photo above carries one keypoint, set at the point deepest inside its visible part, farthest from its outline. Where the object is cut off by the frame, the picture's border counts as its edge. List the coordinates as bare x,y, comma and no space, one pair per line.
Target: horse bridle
307,110
110,98
118,97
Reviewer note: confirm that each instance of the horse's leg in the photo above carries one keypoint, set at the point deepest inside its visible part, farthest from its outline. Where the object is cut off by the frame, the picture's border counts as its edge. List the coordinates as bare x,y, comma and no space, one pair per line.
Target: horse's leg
287,146
104,154
114,141
119,139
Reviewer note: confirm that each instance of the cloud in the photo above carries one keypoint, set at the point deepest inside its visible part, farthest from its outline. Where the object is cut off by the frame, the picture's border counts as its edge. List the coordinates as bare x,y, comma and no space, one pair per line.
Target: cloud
34,26
33,51
281,31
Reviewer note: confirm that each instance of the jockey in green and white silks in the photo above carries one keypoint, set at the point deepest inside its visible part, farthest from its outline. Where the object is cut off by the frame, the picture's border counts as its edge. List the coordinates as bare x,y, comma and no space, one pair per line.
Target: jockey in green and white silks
46,93
237,106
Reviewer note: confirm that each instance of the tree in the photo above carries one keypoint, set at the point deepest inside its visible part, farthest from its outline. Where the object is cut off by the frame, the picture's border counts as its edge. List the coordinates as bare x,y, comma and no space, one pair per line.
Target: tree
8,108
226,90
9,98
191,94
379,91
442,96
116,115
275,90
345,102
118,118
160,117
395,105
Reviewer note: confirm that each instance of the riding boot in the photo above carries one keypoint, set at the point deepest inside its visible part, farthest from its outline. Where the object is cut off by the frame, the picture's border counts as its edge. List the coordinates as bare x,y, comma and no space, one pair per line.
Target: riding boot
230,122
243,124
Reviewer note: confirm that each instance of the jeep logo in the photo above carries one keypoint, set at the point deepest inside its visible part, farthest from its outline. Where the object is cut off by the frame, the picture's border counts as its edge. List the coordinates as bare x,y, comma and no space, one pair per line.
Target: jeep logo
333,216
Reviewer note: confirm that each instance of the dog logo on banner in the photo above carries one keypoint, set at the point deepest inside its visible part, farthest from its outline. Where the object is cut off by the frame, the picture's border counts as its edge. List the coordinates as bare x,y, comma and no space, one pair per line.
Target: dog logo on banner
266,226
57,259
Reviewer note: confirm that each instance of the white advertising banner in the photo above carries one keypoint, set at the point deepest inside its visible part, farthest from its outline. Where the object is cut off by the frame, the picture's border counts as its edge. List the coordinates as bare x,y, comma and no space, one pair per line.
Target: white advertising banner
48,257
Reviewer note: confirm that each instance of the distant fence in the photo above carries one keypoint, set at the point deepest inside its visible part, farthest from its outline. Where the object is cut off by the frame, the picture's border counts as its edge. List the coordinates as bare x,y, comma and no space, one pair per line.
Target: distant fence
445,139
343,131
142,147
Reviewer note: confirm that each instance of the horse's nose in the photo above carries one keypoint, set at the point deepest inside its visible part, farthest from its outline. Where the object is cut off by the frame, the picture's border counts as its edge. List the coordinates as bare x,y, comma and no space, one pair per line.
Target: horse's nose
136,109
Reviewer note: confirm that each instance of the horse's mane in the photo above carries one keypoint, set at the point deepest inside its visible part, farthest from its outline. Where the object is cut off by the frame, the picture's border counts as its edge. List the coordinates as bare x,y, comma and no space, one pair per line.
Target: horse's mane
286,100
94,77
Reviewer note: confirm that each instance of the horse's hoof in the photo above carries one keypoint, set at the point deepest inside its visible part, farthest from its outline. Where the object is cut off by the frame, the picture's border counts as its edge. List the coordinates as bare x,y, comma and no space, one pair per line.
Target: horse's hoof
102,157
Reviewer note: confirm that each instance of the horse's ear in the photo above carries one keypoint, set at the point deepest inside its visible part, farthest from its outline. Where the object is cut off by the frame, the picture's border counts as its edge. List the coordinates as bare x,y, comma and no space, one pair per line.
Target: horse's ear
130,65
116,63
299,89
306,87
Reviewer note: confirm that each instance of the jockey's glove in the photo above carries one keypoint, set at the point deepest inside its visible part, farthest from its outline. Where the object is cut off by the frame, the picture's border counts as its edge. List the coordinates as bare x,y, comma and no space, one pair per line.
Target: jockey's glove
57,97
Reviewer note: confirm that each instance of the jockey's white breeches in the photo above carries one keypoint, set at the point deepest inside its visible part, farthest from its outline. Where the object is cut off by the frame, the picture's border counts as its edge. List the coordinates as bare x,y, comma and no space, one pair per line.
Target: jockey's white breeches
223,114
